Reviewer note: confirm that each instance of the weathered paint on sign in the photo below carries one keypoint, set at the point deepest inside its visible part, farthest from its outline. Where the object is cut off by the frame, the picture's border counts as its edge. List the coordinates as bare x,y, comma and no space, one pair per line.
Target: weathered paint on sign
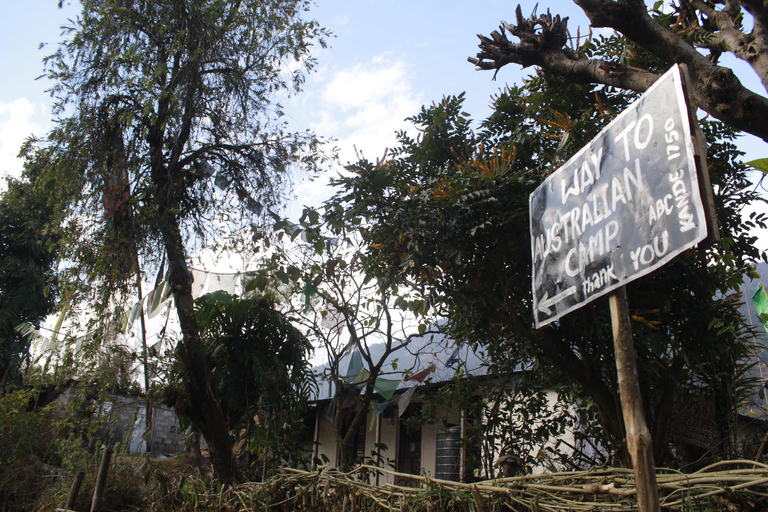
623,206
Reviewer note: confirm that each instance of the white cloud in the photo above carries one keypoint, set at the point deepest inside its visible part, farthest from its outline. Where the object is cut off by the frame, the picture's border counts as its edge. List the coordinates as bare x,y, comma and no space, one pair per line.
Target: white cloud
361,106
18,120
364,105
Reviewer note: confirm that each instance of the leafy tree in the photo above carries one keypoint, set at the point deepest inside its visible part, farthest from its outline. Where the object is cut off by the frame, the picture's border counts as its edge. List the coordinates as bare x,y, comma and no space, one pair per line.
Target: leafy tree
320,280
259,359
691,32
170,135
507,411
448,213
28,258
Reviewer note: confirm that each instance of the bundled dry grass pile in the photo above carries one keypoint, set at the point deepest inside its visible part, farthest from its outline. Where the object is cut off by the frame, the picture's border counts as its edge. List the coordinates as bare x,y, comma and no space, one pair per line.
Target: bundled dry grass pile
729,486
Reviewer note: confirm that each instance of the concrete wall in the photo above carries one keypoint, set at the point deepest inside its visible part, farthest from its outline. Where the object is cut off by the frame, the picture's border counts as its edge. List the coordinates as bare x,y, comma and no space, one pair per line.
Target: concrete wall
122,419
167,435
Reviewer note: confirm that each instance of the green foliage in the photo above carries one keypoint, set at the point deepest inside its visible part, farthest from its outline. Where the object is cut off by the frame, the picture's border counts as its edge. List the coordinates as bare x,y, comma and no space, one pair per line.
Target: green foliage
26,437
319,277
28,285
761,164
448,214
260,356
508,413
260,361
162,91
73,455
171,135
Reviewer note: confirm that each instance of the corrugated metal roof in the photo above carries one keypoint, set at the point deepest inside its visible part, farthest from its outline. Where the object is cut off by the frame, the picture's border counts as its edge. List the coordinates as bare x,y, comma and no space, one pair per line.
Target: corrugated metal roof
418,355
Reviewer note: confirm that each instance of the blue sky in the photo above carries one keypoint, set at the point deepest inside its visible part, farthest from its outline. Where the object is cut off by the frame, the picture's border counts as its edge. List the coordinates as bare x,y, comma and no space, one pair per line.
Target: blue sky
387,59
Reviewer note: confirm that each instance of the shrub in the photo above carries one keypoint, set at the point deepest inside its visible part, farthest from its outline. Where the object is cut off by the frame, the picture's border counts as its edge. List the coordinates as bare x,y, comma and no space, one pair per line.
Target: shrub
26,442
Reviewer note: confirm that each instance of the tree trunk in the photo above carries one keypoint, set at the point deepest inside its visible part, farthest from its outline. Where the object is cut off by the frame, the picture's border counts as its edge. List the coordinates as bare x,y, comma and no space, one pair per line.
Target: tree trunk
205,408
347,441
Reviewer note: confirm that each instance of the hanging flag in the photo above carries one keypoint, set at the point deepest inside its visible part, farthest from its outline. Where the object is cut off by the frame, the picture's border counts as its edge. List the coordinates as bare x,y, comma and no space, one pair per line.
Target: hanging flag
162,308
59,322
309,291
221,181
452,360
115,197
26,329
348,402
36,342
253,206
332,320
760,300
130,317
116,187
348,348
222,282
386,387
332,408
151,299
361,378
355,365
349,397
199,280
419,377
377,410
156,299
405,399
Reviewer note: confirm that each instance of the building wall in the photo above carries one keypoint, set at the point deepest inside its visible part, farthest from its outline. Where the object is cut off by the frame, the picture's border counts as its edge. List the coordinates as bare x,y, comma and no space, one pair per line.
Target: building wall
389,432
123,419
167,435
429,448
389,435
389,428
326,437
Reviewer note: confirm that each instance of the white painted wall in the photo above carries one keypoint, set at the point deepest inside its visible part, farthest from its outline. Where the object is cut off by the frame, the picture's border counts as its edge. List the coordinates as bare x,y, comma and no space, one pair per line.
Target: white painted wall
390,427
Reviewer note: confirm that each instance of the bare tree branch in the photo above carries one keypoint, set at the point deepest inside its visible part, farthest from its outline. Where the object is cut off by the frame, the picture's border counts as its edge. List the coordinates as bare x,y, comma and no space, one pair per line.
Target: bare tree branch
715,89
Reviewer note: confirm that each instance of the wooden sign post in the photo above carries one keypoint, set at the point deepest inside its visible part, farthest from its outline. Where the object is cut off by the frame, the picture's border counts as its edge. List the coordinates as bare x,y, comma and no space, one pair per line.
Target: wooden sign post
638,436
623,206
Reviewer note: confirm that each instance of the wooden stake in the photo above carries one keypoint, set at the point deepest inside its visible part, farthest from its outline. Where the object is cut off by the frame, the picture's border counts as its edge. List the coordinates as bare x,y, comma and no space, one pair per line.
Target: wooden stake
74,490
101,478
638,435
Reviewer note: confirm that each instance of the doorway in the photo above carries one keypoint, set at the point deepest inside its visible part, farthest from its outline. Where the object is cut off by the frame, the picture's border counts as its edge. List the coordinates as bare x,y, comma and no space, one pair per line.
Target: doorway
409,443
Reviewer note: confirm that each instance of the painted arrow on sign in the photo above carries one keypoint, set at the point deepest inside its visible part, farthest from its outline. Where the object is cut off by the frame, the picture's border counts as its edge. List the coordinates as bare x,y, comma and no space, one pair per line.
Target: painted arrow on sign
545,303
